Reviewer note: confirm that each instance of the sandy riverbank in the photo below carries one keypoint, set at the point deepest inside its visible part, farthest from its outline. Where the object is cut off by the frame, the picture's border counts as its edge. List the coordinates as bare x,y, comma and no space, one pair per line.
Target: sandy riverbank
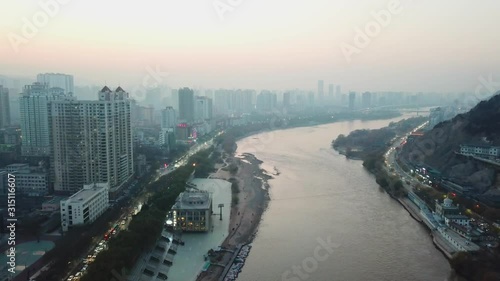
245,217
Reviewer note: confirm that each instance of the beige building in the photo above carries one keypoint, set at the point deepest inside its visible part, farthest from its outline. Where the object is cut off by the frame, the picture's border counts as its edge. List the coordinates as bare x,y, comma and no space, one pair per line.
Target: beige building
192,211
91,141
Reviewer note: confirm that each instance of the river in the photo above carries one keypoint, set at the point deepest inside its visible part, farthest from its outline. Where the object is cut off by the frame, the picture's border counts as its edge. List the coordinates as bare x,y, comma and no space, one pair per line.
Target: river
321,197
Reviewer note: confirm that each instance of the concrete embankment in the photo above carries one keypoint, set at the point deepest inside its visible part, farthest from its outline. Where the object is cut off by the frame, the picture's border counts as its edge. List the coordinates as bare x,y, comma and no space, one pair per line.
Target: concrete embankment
441,244
411,208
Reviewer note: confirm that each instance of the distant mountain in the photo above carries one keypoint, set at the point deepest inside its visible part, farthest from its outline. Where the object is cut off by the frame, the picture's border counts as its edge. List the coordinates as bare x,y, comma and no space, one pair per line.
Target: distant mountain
437,148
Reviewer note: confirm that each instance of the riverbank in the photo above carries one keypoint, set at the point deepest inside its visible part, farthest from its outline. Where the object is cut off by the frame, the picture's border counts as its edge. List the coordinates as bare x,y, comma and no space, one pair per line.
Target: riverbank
250,200
444,247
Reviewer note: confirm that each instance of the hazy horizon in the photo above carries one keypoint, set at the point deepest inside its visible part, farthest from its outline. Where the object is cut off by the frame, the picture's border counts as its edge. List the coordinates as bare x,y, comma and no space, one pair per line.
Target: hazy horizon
426,47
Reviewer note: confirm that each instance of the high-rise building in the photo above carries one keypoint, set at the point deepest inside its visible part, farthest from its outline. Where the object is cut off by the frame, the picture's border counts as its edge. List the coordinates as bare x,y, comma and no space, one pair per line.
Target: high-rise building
203,108
266,101
331,93
4,107
366,99
91,141
286,99
168,118
321,93
186,105
310,98
338,94
58,80
222,101
168,123
352,100
175,100
33,105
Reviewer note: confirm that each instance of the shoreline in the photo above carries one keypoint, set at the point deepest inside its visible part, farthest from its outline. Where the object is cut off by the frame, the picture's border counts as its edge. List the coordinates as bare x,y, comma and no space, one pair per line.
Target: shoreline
254,187
245,217
414,211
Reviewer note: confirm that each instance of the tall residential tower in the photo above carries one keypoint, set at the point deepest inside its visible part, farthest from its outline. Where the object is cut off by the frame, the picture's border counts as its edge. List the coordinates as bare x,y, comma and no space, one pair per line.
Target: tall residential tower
4,107
58,80
92,141
33,105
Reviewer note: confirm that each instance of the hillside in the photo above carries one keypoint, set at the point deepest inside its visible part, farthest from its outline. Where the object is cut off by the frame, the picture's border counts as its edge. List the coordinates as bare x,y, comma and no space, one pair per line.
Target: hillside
437,148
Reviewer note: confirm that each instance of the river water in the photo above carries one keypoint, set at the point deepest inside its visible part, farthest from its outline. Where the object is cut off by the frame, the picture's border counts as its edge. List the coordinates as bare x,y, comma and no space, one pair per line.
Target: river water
321,198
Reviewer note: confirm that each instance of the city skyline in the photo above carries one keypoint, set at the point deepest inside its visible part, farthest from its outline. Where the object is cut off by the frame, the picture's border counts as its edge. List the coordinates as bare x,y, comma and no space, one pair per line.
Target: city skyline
417,50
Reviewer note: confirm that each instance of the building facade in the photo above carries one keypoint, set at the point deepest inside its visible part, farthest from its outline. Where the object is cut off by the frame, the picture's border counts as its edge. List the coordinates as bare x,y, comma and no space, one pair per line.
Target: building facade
480,151
30,181
85,206
34,105
186,105
192,211
352,100
366,99
321,91
266,101
203,108
168,118
92,141
4,107
58,80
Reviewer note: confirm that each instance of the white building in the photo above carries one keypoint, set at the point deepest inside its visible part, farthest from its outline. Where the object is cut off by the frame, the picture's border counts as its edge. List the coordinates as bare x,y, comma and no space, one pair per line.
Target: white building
59,80
33,105
168,123
168,118
480,150
458,219
92,141
85,206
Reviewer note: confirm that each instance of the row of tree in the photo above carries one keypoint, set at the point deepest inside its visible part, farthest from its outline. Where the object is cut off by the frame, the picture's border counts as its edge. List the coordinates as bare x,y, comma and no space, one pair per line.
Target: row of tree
145,227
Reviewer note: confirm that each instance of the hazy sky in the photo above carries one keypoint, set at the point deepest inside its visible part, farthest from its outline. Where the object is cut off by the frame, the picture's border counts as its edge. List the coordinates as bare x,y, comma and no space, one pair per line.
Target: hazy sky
279,44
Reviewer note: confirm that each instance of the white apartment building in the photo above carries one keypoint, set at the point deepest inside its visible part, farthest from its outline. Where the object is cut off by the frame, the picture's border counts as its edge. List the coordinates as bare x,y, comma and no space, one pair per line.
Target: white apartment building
480,150
33,104
85,206
58,80
168,118
92,141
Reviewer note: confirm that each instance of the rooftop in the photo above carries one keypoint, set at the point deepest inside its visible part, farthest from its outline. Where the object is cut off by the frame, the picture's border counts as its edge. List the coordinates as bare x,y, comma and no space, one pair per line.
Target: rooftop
17,165
456,217
478,145
193,200
55,200
87,192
